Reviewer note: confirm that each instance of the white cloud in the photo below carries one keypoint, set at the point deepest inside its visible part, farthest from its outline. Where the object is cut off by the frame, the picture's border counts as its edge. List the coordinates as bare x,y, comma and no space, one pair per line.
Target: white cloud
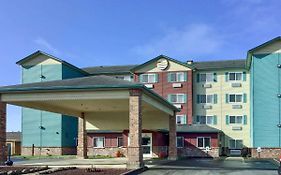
185,42
44,44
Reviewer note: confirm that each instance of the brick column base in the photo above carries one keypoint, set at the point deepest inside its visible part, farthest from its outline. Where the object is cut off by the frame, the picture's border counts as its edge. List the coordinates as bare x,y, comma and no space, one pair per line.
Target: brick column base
135,156
3,149
82,138
172,138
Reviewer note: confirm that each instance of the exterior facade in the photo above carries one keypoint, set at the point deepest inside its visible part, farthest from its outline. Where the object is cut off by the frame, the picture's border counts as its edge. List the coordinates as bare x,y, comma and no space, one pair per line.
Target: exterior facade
13,142
223,107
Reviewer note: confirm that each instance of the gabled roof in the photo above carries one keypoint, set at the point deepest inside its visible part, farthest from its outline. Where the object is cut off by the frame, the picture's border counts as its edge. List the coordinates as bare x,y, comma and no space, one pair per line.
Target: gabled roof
251,51
100,82
13,136
158,57
221,64
196,129
39,52
107,70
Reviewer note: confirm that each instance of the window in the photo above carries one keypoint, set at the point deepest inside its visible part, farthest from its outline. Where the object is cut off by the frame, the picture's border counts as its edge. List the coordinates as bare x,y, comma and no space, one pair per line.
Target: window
207,77
210,120
235,76
203,142
177,98
119,141
181,119
235,98
235,144
180,142
149,78
177,77
206,99
126,77
99,142
235,119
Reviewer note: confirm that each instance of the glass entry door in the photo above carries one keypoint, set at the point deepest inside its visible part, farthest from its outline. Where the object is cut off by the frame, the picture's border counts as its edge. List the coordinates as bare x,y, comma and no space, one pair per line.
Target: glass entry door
147,144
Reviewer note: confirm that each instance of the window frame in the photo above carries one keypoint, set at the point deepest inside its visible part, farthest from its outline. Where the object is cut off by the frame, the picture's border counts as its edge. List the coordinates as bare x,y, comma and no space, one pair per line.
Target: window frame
206,98
235,141
177,95
97,138
235,76
181,141
149,74
118,142
204,144
176,76
206,116
242,98
212,77
235,120
182,116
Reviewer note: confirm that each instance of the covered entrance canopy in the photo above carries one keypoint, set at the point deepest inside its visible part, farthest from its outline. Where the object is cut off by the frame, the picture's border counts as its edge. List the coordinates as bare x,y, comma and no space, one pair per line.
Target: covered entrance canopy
128,105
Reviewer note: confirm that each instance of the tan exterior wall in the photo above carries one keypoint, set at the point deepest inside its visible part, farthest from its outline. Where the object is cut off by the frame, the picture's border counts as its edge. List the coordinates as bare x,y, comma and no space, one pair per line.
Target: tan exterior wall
172,67
221,108
272,48
119,121
41,60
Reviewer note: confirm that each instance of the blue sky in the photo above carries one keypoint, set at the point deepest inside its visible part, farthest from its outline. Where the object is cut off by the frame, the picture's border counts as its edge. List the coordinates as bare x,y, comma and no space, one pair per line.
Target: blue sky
92,32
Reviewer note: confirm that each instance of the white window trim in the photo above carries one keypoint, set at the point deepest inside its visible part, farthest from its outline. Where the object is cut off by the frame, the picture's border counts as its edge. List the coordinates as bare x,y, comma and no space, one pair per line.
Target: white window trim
205,119
200,74
212,102
204,146
117,142
151,74
235,76
236,120
94,142
242,99
180,115
177,81
182,141
177,102
235,143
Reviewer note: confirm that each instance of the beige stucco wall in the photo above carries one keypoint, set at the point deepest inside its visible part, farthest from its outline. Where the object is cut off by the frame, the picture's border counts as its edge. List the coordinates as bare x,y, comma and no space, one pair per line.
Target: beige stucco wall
41,60
221,109
119,121
172,67
272,48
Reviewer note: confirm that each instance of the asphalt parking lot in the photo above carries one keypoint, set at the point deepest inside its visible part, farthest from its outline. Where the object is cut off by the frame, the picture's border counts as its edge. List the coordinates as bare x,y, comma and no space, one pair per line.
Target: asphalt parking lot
231,166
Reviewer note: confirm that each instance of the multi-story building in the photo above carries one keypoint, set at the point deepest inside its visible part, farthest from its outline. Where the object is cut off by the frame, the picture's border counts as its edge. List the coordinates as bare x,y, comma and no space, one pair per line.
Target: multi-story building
224,106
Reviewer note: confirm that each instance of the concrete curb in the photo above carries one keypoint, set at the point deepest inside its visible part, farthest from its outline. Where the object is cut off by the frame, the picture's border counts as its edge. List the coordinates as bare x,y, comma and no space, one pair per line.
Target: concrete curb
135,171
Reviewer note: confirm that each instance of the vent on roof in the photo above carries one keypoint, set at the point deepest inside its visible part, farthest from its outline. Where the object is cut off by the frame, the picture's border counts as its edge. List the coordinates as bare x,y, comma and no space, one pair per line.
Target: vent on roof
189,61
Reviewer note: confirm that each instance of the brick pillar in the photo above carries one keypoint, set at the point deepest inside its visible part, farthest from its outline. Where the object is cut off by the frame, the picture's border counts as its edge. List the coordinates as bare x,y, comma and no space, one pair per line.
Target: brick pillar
172,138
135,156
82,138
3,150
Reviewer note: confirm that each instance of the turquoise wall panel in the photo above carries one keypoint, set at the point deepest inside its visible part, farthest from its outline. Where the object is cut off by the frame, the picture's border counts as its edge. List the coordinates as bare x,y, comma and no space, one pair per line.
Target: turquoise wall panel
51,72
31,122
31,74
69,72
69,131
265,104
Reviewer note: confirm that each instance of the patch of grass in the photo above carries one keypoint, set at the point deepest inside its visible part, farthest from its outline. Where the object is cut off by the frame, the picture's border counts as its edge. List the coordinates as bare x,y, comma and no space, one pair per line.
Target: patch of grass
45,157
100,157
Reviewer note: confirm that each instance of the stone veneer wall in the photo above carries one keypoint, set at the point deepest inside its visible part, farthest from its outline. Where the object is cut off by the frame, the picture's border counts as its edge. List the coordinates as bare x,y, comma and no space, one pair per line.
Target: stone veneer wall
196,152
3,119
266,153
106,151
27,151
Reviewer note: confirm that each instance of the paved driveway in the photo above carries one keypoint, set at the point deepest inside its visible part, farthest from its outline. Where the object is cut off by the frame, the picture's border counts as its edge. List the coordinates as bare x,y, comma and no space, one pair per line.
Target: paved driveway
231,166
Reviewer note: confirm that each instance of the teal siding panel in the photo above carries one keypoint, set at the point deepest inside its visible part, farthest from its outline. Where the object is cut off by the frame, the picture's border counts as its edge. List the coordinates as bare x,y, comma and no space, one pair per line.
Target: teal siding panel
51,129
31,121
69,131
31,74
51,72
265,101
68,72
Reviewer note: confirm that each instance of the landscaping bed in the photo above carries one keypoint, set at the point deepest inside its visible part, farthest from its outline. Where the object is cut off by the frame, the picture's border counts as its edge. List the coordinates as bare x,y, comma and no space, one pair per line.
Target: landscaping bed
91,171
20,170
